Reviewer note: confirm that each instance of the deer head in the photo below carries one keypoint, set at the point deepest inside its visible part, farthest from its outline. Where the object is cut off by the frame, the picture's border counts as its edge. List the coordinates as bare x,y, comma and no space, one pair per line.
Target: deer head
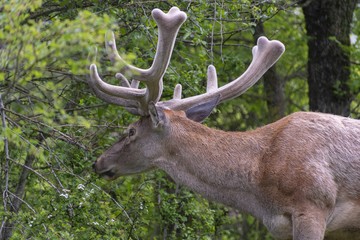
139,149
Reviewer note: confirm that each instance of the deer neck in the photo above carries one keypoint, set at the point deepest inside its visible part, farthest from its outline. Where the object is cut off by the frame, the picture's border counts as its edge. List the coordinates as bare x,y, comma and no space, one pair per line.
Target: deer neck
217,164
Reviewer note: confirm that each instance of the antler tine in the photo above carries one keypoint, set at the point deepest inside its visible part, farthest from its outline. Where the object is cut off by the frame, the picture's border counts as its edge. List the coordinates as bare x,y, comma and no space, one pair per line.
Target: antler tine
116,91
177,91
212,82
169,25
265,54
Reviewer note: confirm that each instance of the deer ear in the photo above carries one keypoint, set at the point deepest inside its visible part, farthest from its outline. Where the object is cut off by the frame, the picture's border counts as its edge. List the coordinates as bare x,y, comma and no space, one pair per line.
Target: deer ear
199,112
157,115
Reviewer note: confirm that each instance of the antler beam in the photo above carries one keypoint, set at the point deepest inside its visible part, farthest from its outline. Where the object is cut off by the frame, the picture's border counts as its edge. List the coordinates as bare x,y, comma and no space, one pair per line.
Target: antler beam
265,54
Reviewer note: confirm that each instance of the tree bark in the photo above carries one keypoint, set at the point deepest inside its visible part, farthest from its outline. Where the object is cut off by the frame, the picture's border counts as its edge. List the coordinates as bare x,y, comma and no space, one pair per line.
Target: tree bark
328,30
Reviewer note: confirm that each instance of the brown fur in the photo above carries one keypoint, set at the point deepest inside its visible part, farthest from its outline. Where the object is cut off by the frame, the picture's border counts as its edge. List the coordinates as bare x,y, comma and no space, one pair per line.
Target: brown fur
300,175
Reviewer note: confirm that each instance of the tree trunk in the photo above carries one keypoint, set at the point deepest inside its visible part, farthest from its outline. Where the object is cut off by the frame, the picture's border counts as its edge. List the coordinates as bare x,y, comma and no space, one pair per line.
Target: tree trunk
328,30
17,202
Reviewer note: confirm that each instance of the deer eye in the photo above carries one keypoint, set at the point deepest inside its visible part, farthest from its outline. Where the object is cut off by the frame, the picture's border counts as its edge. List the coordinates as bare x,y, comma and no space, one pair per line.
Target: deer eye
132,132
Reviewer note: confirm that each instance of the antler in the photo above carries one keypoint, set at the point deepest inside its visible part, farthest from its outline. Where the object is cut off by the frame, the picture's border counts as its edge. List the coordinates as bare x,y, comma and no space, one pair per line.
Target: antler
136,101
265,54
128,95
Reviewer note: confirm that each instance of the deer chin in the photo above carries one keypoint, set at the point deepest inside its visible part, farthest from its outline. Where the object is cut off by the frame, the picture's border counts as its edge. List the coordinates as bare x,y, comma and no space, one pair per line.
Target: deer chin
109,175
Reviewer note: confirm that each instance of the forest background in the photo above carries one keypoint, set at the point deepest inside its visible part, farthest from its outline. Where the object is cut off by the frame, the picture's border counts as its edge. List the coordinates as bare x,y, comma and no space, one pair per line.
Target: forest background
53,127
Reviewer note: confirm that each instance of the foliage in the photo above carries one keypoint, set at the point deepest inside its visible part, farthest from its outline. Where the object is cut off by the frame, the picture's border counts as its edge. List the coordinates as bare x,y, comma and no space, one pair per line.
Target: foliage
354,83
55,127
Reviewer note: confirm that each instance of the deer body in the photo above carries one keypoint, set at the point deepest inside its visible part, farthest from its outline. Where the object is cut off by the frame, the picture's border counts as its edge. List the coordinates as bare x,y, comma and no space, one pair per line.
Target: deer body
276,172
300,175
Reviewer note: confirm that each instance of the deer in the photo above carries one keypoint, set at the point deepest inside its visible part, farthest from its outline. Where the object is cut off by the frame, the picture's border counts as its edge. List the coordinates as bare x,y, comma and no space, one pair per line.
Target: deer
300,176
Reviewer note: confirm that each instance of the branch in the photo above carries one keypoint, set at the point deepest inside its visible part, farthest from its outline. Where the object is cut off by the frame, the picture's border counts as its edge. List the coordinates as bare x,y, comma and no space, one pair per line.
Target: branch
38,174
63,136
6,167
22,200
46,11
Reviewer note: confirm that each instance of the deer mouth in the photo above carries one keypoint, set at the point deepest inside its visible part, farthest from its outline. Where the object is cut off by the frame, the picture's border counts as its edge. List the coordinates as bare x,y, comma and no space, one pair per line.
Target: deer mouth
108,174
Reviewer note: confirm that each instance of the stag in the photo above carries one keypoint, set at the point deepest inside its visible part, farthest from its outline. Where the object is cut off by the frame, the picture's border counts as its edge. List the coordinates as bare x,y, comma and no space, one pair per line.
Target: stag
300,175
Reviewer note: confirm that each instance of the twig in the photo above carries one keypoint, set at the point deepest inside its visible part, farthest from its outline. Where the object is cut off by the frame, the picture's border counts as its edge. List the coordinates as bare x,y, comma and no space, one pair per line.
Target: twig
119,205
6,167
62,136
37,173
21,200
49,165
